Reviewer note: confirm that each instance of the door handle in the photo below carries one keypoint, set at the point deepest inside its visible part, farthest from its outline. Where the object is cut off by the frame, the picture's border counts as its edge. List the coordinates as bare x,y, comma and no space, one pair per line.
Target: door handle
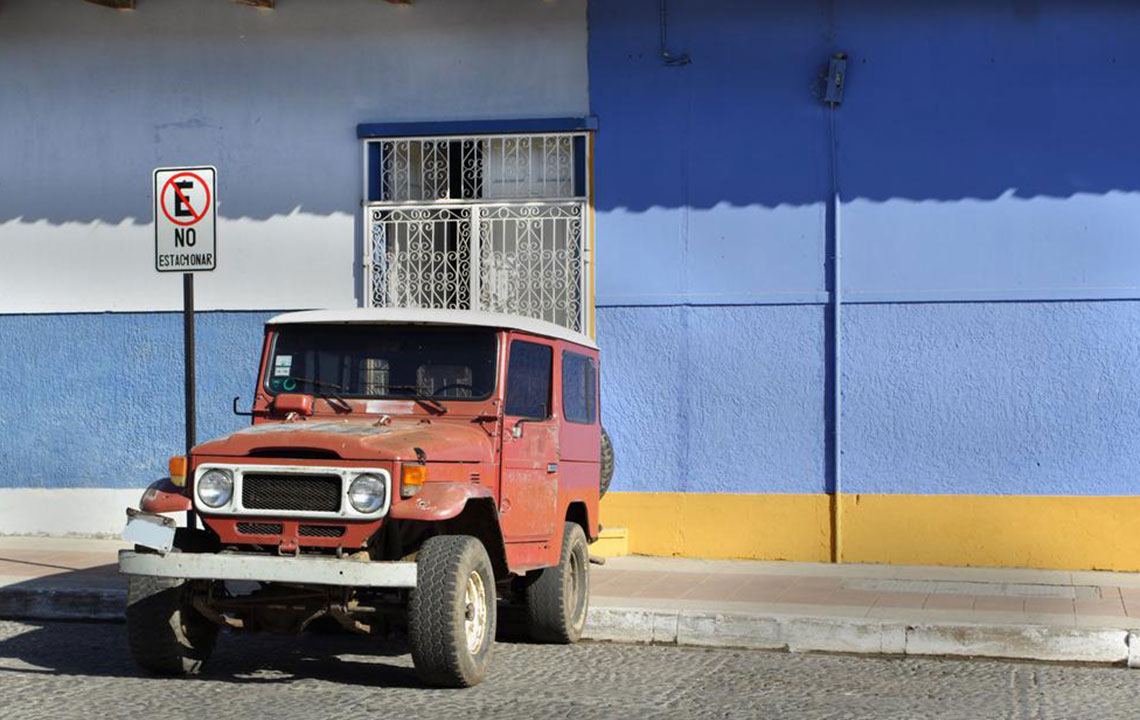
552,467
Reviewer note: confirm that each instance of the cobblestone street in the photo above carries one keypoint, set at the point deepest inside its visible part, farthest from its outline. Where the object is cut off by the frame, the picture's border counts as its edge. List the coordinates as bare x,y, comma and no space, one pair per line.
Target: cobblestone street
78,670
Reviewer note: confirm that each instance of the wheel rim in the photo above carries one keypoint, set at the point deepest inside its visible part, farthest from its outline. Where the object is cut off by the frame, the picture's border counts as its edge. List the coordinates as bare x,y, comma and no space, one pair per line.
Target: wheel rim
475,612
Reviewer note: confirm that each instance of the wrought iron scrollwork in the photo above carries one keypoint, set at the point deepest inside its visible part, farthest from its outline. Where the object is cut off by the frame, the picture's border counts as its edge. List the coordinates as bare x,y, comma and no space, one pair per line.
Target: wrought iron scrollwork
491,223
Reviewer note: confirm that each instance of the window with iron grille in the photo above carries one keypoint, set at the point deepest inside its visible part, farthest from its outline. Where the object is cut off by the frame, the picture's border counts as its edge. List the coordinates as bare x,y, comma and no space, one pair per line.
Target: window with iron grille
482,222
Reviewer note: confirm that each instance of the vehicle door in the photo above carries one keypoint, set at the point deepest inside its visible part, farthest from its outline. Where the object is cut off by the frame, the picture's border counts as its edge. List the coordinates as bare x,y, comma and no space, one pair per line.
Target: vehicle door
529,488
580,437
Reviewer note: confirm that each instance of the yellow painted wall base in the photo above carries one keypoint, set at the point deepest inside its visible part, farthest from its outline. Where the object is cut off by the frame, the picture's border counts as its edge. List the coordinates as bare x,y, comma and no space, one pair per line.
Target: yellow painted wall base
611,542
1068,532
768,527
983,530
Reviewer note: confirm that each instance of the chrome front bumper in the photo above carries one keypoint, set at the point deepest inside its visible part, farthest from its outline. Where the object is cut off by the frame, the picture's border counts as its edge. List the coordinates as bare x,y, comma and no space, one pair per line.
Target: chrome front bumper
269,568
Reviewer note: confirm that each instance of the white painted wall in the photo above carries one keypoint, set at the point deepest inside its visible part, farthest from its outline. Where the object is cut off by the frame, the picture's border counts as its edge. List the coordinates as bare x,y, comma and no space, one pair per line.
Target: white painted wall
94,99
298,260
67,511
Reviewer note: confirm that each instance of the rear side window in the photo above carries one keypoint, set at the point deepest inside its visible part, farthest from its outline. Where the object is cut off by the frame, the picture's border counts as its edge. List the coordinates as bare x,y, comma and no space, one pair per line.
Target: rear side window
579,388
528,380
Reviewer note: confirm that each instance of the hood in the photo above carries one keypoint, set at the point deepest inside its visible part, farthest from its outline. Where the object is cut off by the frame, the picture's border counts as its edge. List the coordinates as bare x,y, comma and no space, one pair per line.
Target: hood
442,440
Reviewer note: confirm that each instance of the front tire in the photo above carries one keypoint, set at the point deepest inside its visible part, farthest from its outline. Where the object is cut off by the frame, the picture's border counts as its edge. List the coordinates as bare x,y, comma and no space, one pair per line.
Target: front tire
166,635
557,602
452,611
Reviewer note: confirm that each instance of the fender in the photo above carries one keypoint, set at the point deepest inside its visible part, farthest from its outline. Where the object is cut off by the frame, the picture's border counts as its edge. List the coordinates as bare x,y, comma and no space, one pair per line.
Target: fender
438,501
163,496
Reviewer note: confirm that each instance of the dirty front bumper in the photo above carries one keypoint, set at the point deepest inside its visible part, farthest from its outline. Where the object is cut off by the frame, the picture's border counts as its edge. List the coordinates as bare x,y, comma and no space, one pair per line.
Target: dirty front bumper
269,568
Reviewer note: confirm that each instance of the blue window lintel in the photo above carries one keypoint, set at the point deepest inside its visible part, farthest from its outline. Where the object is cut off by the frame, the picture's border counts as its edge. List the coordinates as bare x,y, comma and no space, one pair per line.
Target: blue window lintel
477,127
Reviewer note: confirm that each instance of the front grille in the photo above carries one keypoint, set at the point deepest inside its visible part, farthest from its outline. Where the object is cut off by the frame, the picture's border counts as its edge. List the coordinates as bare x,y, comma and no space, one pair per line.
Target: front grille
327,531
251,528
309,493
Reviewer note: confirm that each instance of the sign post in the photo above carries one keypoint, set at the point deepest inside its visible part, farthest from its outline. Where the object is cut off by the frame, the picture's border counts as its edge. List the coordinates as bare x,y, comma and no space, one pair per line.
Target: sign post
185,241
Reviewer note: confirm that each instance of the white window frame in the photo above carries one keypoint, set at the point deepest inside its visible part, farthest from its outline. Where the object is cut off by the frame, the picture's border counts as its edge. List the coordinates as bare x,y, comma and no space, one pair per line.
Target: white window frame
529,205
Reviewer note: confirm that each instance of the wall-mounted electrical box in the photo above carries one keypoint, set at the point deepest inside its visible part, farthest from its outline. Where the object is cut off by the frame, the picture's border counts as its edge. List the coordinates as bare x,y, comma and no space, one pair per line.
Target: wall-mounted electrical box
836,76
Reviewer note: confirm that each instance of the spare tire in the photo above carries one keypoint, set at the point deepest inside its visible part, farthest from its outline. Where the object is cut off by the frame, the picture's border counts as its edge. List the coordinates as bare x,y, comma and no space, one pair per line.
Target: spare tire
607,468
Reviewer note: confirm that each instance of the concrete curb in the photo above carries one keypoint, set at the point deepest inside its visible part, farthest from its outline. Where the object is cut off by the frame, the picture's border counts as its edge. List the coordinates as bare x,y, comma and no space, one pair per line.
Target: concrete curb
859,635
61,604
729,630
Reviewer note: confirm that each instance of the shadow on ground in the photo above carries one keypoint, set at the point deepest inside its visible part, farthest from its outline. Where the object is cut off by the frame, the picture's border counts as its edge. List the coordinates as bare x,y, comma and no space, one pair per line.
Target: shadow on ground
99,649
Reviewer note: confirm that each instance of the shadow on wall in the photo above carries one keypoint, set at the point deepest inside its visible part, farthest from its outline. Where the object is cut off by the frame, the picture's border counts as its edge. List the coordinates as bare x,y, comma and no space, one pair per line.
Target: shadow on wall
982,145
944,101
95,99
983,151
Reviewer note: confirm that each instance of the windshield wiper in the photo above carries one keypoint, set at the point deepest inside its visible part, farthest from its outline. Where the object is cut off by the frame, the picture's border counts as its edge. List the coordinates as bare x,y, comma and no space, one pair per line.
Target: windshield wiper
341,403
431,404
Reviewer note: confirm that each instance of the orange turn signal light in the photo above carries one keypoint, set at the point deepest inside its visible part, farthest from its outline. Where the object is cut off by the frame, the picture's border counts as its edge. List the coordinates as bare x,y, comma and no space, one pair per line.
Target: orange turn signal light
178,471
413,480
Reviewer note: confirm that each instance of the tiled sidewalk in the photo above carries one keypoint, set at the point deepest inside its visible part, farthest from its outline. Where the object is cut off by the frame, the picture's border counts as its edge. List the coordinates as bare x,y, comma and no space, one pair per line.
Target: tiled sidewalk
901,593
60,562
1028,614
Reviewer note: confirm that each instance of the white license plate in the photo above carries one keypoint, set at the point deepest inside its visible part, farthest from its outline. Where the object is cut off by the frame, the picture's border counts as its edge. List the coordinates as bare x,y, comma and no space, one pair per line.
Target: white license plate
152,531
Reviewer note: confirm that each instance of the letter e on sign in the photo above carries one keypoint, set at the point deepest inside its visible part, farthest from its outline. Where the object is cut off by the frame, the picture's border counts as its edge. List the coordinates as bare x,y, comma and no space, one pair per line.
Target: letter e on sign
185,221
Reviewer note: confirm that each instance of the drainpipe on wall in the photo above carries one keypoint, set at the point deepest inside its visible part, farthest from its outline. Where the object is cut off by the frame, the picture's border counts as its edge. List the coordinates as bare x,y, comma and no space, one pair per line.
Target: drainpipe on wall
662,33
833,95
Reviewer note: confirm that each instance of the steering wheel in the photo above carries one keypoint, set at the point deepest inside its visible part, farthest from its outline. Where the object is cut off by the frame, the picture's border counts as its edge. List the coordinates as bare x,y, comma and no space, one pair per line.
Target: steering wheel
453,385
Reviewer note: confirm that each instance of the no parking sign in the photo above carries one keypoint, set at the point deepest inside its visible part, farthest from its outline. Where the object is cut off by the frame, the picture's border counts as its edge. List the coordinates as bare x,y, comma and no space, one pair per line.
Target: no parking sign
185,230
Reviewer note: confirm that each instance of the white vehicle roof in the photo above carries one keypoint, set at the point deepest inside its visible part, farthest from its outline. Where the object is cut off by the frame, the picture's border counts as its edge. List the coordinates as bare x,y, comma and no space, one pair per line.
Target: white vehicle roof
418,316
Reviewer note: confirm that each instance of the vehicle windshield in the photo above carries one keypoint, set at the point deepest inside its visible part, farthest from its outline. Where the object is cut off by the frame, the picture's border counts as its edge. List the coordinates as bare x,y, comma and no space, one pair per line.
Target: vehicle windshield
383,361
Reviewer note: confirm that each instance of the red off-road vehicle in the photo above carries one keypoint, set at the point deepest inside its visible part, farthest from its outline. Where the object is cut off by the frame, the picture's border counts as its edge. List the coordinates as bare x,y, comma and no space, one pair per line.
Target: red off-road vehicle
403,466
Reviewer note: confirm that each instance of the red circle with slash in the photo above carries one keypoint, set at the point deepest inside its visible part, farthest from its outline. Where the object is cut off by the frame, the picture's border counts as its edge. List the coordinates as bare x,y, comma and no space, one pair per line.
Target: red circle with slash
178,191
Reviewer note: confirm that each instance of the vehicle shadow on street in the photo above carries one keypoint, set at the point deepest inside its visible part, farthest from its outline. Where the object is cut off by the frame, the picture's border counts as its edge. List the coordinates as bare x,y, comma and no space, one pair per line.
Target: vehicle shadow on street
99,649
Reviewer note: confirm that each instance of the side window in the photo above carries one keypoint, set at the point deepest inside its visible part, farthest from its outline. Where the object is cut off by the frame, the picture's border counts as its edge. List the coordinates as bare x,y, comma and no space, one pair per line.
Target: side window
528,380
579,388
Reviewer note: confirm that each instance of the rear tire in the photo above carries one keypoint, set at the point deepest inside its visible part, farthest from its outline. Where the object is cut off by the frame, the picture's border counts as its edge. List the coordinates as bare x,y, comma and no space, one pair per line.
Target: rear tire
607,464
166,635
557,602
452,611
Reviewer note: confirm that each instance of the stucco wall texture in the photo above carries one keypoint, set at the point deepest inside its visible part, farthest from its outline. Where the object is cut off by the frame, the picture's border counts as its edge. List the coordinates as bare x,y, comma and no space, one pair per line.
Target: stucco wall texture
953,398
982,151
987,210
712,189
992,398
715,398
96,400
93,100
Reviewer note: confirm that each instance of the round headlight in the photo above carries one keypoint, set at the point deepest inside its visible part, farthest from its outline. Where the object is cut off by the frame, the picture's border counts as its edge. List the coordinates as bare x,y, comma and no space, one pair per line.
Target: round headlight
215,488
366,493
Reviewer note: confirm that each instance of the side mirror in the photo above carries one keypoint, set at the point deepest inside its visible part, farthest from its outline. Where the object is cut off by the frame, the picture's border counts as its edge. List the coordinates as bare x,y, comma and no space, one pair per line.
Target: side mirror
299,403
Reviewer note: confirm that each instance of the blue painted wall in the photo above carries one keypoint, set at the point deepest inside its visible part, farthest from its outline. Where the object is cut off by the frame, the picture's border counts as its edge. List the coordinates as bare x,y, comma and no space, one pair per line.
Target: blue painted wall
992,398
988,149
983,153
711,177
983,150
96,400
715,398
